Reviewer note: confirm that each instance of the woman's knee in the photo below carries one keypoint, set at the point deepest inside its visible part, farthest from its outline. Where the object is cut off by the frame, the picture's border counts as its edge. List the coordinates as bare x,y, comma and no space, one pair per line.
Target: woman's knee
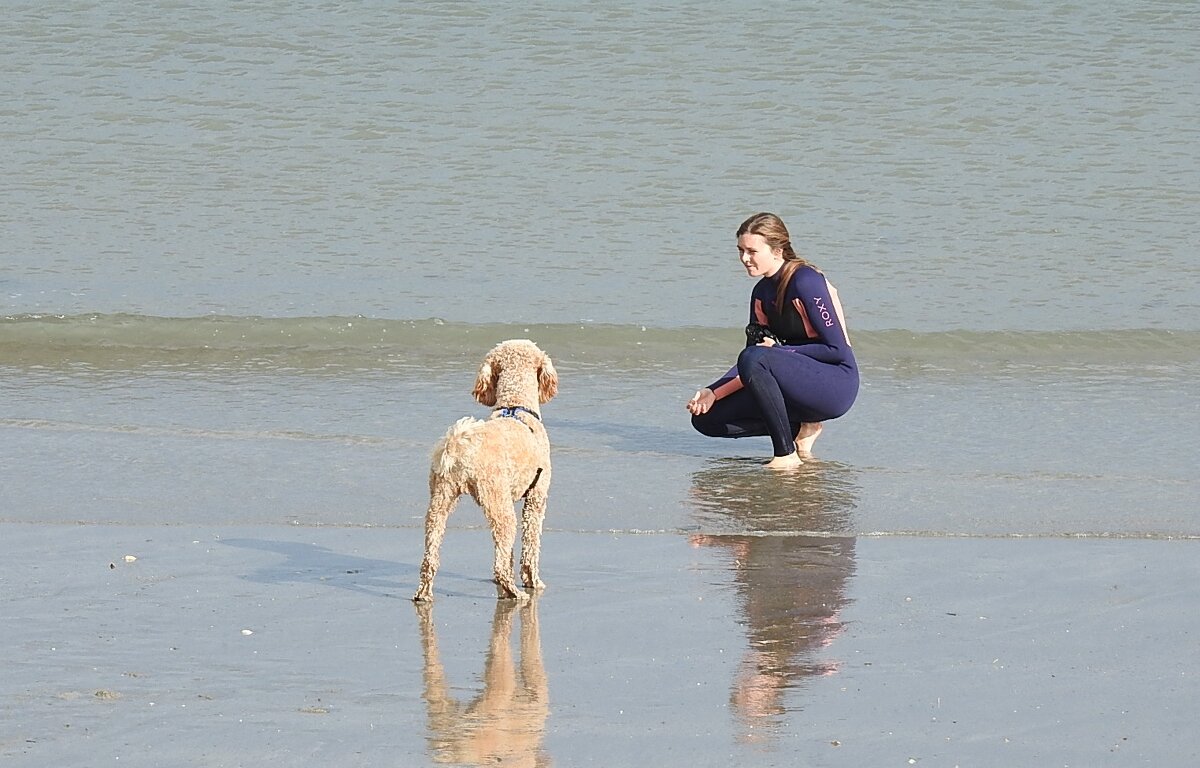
707,426
750,361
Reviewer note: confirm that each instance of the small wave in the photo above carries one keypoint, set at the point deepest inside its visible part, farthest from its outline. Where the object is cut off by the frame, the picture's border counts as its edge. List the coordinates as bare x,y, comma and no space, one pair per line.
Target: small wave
123,342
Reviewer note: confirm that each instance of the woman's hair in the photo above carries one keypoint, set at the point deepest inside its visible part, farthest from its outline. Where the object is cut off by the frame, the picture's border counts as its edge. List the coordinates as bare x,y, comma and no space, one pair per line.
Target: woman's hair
770,227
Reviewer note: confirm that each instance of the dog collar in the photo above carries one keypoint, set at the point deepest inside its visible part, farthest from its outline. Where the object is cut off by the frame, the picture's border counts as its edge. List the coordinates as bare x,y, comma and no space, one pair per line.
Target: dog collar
512,411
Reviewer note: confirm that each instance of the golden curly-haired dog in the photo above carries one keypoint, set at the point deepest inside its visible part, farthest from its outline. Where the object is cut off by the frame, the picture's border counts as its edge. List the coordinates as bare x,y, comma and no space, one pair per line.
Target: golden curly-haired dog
497,461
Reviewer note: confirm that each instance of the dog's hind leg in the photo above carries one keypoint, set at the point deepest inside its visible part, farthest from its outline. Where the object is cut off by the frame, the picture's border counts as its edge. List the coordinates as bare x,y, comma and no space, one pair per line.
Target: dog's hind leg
442,499
497,507
533,514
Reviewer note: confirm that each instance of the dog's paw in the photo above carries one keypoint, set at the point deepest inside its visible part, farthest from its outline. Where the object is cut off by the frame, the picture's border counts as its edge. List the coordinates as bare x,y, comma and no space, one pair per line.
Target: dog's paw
505,593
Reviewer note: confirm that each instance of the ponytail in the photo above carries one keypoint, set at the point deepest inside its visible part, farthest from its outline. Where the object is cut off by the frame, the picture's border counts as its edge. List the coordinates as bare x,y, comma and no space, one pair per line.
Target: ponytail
790,265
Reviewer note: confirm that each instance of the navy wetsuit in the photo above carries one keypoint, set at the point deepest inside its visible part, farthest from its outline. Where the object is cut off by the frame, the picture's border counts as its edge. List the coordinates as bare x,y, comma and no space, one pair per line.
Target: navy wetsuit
812,377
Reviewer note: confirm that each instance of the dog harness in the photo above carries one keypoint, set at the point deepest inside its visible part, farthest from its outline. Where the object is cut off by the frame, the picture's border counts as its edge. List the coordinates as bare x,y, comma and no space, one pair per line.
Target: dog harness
536,476
512,412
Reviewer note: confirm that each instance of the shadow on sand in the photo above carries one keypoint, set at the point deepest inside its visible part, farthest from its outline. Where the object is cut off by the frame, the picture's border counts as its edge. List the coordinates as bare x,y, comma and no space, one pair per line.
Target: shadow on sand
310,564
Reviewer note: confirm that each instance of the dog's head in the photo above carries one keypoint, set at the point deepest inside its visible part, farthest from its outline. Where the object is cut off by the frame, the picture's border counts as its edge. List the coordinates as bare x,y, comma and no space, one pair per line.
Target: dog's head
516,369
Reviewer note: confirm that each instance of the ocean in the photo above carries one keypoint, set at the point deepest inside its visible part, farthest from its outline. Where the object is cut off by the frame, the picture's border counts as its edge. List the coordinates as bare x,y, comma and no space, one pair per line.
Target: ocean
252,255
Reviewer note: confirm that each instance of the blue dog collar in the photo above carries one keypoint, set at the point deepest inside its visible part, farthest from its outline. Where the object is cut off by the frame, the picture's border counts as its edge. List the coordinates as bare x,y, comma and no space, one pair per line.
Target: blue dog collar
512,411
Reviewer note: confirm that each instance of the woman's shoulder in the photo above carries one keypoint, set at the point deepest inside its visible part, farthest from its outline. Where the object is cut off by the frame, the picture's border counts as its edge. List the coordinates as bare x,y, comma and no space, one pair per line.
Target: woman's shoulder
807,274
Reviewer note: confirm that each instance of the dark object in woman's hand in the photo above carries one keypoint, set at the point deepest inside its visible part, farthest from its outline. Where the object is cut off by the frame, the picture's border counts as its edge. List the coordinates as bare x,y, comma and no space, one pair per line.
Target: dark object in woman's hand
756,333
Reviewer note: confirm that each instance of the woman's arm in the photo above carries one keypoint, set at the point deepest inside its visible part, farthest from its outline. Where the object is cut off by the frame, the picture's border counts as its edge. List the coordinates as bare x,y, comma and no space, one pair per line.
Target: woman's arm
813,298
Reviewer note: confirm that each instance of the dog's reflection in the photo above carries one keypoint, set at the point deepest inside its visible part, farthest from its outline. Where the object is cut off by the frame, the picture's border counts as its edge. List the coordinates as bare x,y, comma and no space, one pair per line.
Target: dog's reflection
791,551
505,723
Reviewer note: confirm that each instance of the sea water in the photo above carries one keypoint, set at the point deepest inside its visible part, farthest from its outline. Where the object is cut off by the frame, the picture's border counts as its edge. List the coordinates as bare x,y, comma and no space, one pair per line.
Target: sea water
253,254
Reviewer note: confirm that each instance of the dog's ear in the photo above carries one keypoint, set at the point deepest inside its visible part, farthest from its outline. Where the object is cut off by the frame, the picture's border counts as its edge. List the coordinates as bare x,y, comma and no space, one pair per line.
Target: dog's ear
485,383
547,380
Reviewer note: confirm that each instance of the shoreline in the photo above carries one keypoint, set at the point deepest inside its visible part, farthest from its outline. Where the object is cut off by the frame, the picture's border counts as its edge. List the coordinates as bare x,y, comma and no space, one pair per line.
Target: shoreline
230,645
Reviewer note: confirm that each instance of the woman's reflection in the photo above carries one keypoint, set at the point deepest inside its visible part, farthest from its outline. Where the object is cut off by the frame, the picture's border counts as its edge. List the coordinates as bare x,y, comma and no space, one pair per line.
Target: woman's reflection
505,723
791,549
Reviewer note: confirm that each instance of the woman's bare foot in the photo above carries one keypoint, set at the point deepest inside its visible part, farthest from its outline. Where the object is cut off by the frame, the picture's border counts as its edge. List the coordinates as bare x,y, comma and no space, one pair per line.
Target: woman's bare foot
808,434
791,461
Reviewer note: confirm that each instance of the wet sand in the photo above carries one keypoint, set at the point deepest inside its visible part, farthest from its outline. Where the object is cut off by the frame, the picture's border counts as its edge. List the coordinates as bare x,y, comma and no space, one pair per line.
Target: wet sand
282,646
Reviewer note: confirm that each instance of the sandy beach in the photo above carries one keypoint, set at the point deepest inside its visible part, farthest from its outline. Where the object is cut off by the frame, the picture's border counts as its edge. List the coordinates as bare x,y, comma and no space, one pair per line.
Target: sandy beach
273,645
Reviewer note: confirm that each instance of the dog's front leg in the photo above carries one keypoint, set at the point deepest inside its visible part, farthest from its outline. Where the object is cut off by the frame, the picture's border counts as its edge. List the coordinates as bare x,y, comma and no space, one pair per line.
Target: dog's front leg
533,514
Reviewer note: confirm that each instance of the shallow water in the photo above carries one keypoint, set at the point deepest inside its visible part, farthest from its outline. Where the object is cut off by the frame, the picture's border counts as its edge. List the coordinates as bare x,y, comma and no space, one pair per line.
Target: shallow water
330,421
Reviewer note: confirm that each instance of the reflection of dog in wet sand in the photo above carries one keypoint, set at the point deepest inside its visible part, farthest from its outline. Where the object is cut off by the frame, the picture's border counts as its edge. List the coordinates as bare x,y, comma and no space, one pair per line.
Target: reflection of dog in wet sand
505,723
497,461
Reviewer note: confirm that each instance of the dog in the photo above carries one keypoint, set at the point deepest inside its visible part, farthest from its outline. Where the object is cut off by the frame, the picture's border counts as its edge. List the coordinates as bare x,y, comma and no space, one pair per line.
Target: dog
497,462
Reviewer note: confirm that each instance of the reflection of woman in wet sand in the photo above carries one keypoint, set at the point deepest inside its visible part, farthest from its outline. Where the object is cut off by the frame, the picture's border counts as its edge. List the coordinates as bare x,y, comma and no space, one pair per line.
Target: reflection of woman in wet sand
505,723
791,562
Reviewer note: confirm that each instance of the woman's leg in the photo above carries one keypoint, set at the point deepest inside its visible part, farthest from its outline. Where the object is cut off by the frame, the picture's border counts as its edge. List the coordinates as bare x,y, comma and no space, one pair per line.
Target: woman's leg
737,415
796,393
760,379
811,392
806,435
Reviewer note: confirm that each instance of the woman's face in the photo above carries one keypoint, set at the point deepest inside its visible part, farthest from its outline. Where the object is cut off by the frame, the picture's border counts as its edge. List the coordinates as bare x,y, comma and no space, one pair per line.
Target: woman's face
759,259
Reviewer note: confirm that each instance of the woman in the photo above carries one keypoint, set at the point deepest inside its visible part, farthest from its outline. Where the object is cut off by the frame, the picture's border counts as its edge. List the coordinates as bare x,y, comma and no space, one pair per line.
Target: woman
797,369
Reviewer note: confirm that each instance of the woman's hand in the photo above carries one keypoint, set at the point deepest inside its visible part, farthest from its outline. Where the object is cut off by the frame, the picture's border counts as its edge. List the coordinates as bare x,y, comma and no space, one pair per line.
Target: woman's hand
701,402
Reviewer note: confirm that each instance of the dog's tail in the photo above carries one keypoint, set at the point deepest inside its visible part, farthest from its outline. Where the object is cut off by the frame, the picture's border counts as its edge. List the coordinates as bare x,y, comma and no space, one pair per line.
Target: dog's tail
443,460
